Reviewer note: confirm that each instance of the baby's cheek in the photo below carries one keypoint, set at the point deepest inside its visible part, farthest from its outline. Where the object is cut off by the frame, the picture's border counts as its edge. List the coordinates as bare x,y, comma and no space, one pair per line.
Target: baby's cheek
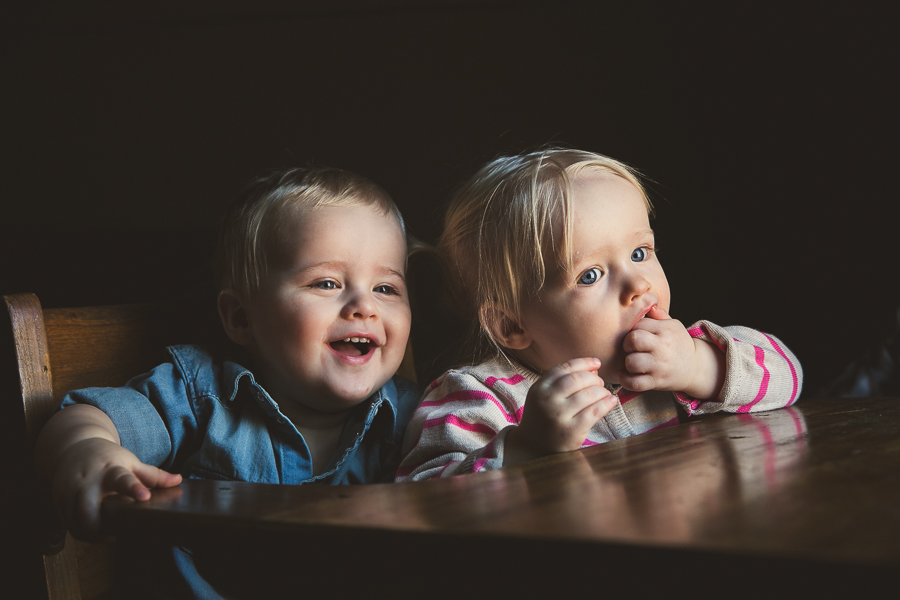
665,297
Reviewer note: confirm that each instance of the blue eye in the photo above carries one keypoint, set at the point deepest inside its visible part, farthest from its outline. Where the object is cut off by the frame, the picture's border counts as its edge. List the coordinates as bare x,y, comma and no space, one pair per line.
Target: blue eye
325,285
639,255
590,277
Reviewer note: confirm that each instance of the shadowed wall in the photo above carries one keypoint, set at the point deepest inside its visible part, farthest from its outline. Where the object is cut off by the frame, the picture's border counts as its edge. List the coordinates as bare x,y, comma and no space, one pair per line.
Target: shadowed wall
768,138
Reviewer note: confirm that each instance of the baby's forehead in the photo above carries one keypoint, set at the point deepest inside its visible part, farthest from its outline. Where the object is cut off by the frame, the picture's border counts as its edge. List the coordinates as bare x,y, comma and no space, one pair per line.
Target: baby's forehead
594,176
352,217
315,228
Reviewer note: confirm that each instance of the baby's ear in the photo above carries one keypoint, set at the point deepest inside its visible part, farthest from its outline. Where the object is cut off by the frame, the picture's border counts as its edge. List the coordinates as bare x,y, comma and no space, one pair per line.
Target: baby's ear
234,317
503,327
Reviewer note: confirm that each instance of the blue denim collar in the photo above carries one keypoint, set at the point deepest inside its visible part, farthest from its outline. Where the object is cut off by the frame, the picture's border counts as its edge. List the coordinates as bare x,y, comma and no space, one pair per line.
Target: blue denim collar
234,373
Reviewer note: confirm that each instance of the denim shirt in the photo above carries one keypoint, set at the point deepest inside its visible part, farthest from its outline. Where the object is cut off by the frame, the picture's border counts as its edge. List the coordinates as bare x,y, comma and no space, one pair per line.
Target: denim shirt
210,419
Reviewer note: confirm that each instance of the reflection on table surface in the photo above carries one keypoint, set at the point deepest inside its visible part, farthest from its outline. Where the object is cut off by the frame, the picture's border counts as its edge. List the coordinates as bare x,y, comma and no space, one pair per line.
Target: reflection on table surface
819,481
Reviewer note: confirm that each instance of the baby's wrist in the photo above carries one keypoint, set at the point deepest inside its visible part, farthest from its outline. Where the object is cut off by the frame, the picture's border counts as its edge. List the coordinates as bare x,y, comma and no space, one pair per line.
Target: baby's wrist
516,448
708,373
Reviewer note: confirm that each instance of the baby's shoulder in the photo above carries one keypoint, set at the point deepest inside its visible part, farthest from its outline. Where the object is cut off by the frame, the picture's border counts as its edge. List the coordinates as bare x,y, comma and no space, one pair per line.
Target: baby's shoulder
205,370
405,392
457,377
495,377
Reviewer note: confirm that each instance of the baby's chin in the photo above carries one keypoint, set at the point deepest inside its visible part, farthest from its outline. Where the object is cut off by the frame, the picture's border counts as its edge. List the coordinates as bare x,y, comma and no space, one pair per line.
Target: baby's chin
348,396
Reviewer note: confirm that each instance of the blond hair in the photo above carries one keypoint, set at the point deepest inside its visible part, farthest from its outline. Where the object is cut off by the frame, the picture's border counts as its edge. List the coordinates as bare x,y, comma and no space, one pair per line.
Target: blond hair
260,221
503,229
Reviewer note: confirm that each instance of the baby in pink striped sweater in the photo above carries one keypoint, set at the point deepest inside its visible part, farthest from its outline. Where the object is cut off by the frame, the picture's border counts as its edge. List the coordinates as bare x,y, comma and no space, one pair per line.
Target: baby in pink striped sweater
552,261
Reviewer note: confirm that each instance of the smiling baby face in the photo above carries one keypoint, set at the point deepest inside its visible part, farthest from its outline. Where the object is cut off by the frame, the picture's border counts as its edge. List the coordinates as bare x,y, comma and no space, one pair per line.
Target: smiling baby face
331,320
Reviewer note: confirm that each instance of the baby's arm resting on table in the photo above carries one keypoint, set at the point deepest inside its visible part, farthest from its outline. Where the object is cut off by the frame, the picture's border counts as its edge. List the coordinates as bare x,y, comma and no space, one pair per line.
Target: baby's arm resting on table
761,373
710,368
78,453
459,427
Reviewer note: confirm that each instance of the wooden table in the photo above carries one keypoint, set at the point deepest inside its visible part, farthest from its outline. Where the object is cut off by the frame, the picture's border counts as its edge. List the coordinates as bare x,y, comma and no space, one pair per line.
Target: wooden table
794,501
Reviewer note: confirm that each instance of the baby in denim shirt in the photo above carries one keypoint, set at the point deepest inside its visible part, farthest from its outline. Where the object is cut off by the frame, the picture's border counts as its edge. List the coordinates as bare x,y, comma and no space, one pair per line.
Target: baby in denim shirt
311,267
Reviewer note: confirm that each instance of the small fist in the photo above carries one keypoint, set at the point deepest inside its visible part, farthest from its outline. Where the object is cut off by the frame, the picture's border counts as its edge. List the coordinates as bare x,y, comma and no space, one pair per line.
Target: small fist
562,406
659,354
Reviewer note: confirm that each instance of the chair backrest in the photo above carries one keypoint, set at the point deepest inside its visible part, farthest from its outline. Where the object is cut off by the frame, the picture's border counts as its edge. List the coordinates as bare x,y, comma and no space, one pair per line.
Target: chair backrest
52,352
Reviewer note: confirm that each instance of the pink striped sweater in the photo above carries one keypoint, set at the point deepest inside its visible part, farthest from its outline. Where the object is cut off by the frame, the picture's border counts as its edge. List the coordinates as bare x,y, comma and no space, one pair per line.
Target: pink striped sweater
462,421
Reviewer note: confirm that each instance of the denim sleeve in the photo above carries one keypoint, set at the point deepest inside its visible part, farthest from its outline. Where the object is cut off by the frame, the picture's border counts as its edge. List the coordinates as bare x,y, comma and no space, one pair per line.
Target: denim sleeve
152,413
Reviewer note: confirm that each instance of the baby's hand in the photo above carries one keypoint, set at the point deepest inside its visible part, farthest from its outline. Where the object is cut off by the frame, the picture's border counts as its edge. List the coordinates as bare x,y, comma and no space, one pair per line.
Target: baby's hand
94,468
661,355
560,409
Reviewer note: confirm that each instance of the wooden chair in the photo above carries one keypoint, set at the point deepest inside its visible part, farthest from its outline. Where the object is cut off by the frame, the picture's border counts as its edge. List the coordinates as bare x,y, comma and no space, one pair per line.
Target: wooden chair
52,352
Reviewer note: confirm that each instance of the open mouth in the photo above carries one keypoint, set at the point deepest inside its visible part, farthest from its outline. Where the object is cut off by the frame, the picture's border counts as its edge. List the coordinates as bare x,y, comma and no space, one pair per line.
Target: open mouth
353,346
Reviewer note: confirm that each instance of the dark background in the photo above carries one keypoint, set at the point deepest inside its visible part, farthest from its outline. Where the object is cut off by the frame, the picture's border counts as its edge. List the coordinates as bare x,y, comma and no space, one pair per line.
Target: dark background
768,134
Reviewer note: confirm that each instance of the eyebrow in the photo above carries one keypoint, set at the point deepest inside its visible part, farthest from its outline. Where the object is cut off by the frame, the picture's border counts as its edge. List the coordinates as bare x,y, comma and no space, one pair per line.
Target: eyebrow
585,258
342,264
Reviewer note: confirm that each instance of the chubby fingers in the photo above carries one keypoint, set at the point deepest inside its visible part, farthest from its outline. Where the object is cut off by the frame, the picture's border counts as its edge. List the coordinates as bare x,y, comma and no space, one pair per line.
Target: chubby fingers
568,378
638,382
642,347
120,480
154,477
576,365
658,314
592,404
578,385
81,506
641,339
138,482
650,334
653,321
134,483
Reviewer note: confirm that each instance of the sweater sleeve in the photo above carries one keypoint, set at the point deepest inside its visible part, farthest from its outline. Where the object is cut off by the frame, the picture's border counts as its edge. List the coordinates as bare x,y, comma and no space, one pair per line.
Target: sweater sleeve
761,372
459,427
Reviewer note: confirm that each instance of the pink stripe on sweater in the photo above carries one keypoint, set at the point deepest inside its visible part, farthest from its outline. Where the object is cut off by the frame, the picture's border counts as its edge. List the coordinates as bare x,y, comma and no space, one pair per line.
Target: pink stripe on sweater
699,332
479,465
457,422
466,395
790,364
589,443
626,395
459,396
690,404
490,381
763,386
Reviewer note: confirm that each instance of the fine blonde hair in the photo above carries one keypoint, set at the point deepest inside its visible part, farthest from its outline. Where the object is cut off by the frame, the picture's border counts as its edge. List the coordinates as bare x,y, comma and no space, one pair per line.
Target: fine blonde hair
260,221
503,229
